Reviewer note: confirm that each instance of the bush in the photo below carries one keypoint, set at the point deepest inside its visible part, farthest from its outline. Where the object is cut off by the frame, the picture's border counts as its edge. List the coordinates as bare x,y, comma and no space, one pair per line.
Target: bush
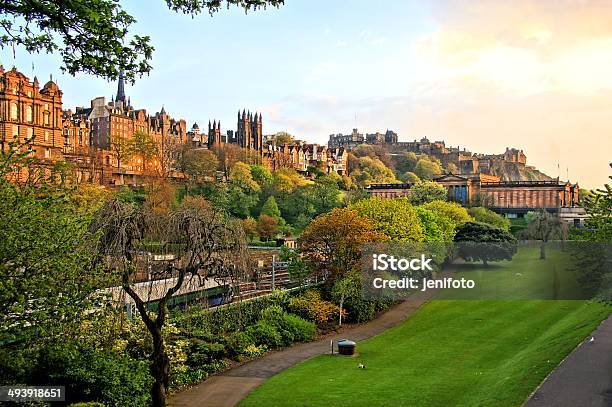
265,333
253,351
310,306
201,353
237,342
92,375
302,330
489,217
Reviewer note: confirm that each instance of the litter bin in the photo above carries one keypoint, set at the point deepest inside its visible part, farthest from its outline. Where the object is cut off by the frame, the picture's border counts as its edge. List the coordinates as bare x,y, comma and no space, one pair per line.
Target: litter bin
346,347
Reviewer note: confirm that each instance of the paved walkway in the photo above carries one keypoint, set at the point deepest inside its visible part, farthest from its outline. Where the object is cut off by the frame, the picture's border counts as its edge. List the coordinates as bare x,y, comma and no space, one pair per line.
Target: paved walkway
584,378
228,388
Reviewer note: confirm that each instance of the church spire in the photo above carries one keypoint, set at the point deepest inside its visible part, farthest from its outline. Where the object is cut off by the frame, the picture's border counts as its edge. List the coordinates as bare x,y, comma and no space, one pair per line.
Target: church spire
121,88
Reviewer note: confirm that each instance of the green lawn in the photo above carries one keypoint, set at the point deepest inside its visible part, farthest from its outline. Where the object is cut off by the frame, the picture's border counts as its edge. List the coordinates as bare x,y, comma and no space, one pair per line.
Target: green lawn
449,353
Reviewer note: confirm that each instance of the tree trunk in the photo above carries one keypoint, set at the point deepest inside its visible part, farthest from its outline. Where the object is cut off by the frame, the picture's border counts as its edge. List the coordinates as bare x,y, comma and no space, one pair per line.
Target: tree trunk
543,250
160,370
341,304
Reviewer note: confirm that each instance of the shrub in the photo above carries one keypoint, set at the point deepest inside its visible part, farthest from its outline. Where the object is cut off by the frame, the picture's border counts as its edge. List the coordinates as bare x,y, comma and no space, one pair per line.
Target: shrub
311,306
200,353
265,333
237,342
302,330
92,375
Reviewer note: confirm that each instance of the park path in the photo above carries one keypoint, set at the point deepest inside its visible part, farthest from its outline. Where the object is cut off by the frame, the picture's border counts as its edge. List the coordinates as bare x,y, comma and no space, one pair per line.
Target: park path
228,388
584,378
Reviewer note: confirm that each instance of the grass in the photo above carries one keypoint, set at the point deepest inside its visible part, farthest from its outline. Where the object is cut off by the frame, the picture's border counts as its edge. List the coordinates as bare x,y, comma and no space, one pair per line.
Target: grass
449,353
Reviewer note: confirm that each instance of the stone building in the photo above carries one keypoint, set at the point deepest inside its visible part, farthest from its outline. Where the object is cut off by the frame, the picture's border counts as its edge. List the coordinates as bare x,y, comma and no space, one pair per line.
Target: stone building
511,198
29,112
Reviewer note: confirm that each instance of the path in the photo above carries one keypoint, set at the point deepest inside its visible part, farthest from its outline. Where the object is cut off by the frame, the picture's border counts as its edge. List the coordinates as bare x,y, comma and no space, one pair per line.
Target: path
584,378
228,388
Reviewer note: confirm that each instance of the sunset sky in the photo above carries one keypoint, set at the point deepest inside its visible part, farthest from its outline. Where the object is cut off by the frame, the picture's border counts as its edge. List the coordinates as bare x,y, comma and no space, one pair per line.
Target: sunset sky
484,75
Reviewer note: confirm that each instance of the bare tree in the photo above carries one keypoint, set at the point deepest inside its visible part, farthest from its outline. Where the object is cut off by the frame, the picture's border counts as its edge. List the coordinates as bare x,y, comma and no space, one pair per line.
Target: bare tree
195,241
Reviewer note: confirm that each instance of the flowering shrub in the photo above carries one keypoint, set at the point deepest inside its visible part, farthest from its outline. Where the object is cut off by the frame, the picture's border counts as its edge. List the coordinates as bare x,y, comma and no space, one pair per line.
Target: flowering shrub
311,306
253,351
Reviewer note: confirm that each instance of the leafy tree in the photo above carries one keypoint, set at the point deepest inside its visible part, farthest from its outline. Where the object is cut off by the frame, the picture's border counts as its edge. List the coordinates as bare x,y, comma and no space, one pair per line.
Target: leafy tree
199,166
121,146
410,177
203,244
426,191
427,168
405,162
544,226
371,170
47,271
395,218
261,175
243,191
481,242
348,287
332,241
453,215
484,215
93,36
249,225
267,227
452,168
433,226
598,205
282,138
143,146
270,208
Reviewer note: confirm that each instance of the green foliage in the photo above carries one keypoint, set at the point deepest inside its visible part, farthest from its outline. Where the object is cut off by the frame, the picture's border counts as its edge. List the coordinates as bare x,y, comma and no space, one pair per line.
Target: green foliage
92,375
265,333
395,218
450,216
433,225
482,242
243,191
47,274
405,162
237,342
598,205
291,327
261,175
422,192
270,208
371,171
489,217
94,36
409,177
427,167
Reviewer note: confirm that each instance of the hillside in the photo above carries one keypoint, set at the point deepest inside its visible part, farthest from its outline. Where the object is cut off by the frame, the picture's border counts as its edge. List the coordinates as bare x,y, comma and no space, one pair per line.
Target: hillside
509,171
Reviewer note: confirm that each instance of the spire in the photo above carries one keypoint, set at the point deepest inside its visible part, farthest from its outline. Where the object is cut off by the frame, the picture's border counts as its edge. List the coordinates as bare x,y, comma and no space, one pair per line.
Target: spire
120,88
214,124
219,125
208,124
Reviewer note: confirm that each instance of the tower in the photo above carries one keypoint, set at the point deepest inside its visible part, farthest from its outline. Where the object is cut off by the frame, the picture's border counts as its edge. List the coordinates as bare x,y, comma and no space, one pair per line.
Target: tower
121,90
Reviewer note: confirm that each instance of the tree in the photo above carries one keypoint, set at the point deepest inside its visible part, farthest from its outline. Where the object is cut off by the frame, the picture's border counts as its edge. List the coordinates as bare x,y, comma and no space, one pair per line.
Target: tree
332,241
598,205
452,215
427,168
481,242
199,166
261,175
544,226
267,227
410,177
145,147
395,218
198,241
243,191
405,162
282,137
371,170
270,208
249,225
426,191
433,226
348,286
93,36
484,215
121,147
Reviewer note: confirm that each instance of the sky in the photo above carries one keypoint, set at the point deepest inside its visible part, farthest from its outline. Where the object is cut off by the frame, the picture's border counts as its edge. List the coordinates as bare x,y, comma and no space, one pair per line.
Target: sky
480,74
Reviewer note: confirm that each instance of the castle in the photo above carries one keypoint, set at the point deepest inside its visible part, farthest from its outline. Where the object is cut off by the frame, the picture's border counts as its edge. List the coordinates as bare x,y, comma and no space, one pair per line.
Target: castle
466,162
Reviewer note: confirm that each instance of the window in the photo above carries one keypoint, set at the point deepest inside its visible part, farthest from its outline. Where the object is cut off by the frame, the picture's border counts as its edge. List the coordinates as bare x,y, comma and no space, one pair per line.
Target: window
47,153
46,106
46,118
29,114
30,133
13,111
46,135
15,131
